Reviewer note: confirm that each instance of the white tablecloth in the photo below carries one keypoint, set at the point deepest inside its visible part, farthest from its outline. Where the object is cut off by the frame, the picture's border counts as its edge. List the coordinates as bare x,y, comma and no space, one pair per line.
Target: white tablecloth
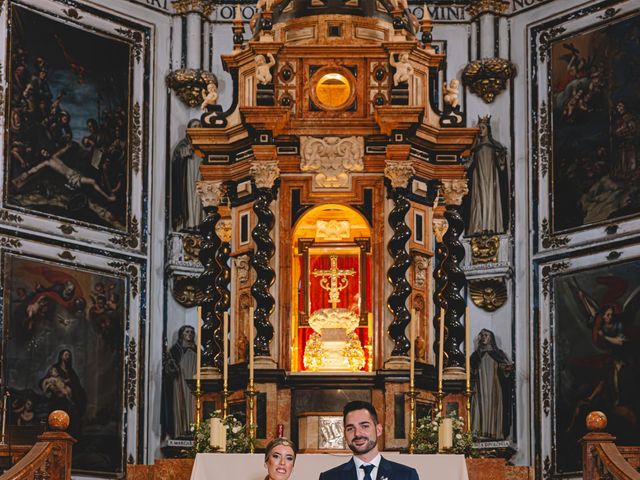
245,466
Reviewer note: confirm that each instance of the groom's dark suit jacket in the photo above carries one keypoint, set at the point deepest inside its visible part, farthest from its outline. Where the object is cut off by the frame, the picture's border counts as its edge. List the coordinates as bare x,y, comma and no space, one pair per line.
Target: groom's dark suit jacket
386,469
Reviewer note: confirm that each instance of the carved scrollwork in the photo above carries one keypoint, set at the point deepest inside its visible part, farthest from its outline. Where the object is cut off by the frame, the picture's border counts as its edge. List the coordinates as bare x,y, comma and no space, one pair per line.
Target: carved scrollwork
243,268
544,138
10,242
421,267
549,240
66,255
440,226
191,245
132,271
69,12
132,374
136,38
131,240
223,229
546,468
548,271
545,39
488,294
332,159
66,228
488,77
8,217
186,291
136,138
204,7
478,7
188,84
485,248
546,376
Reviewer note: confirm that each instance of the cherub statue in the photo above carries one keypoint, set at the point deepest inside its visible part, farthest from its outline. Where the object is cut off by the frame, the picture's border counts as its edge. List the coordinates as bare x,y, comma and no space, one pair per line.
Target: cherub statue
450,93
404,70
263,69
209,96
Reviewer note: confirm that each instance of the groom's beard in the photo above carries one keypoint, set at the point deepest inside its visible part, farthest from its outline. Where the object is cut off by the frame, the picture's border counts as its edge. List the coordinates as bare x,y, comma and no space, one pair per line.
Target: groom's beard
363,448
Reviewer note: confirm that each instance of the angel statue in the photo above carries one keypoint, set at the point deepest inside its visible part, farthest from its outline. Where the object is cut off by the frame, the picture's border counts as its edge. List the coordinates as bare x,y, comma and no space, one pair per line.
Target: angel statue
611,323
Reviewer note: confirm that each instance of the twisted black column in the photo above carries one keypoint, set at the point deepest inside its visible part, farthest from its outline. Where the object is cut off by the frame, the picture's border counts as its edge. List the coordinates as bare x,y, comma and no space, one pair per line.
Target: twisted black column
265,275
454,281
211,341
439,302
221,283
396,275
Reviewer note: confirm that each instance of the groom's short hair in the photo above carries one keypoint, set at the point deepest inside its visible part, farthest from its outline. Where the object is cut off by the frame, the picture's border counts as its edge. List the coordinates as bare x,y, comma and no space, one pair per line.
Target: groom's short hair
360,405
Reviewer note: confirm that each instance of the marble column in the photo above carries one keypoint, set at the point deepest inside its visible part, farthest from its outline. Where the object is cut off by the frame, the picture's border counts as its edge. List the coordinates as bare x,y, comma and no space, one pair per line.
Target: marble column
264,174
399,173
210,194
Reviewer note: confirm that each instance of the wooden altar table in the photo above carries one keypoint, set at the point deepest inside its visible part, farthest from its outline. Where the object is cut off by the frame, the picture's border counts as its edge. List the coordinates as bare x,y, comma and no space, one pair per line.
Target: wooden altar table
245,466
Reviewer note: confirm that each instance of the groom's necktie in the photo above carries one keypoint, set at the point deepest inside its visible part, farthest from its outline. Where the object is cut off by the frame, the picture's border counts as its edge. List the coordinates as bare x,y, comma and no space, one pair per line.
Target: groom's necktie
367,471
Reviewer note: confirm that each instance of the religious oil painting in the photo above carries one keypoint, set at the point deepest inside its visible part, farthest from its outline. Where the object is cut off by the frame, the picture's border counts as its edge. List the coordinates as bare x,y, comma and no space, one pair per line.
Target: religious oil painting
68,149
597,356
64,351
596,136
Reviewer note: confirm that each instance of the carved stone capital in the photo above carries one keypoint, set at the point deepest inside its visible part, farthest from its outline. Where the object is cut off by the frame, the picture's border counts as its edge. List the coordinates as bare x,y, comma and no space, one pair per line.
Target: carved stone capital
223,229
332,159
399,172
440,226
454,190
265,173
211,193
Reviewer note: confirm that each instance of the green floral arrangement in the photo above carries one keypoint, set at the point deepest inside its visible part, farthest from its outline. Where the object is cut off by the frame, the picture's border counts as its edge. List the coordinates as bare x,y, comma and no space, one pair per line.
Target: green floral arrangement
237,439
425,437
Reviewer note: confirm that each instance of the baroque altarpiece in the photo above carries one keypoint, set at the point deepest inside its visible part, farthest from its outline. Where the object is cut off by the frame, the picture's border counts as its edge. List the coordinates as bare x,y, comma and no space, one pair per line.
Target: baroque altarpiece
323,184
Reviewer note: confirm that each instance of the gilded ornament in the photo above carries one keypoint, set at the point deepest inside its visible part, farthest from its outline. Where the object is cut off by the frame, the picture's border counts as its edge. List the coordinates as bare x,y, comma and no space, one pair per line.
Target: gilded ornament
544,138
479,7
265,173
6,216
183,7
66,228
10,242
440,226
488,294
545,39
66,255
186,291
132,271
136,38
211,193
454,190
485,248
488,77
223,230
191,245
399,172
188,84
548,271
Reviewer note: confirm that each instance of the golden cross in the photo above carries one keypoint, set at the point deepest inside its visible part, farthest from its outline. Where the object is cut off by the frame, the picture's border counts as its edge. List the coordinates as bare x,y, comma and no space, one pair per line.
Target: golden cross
334,280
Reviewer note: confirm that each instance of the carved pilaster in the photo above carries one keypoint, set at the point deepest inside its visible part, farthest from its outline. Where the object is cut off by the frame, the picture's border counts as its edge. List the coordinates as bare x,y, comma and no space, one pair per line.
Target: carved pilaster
210,194
450,277
265,174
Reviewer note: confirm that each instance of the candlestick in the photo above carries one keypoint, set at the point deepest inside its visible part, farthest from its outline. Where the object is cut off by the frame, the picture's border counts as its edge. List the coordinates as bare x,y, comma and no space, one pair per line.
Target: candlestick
412,355
225,363
251,394
4,416
198,392
251,352
467,347
441,350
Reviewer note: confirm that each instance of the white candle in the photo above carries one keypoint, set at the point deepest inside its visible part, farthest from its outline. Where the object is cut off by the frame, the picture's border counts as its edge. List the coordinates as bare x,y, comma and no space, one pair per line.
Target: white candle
467,347
225,349
445,434
199,346
217,434
4,416
412,355
441,350
251,353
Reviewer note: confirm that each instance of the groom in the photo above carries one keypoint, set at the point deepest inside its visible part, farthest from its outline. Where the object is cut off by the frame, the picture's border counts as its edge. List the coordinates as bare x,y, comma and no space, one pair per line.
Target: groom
361,431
